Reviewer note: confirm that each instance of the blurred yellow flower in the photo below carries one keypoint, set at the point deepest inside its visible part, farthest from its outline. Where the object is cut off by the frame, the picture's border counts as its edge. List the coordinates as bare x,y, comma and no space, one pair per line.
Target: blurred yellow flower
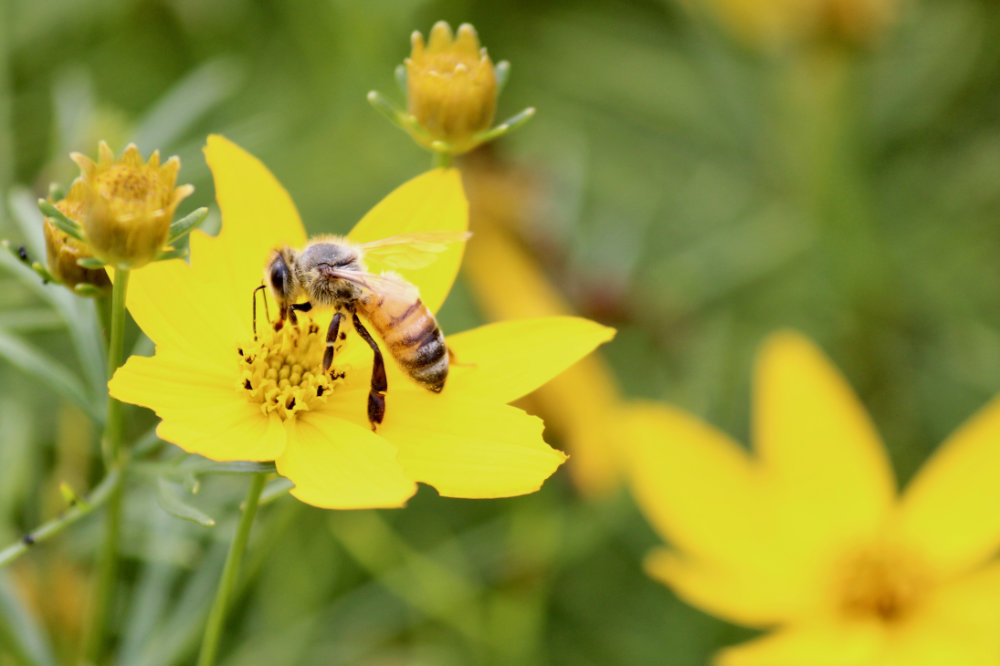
508,282
777,23
451,87
809,538
128,204
62,250
465,441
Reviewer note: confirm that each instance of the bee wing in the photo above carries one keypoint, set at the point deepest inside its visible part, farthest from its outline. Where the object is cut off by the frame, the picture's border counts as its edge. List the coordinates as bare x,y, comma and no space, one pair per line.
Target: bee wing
388,285
413,250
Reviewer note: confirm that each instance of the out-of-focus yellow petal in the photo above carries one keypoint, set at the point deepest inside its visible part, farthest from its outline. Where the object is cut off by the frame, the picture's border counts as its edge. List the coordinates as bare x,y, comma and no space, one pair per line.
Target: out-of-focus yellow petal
578,403
507,360
468,448
740,595
818,445
201,410
822,645
336,464
695,485
949,510
433,201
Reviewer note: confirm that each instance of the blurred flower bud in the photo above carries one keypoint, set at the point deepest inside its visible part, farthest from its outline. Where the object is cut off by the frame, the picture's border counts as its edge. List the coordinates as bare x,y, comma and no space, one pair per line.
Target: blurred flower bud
451,86
128,204
62,250
780,23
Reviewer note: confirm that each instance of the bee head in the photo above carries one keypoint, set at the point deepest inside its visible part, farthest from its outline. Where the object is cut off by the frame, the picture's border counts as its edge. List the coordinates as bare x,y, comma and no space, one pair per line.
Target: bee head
280,278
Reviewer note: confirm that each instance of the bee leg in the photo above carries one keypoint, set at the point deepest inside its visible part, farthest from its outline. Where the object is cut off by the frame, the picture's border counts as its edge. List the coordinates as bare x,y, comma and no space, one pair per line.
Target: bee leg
331,339
266,313
376,395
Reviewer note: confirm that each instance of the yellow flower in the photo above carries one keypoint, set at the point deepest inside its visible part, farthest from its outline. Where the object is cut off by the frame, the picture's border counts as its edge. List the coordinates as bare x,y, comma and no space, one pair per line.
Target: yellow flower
580,404
129,205
465,441
62,250
778,23
451,87
809,537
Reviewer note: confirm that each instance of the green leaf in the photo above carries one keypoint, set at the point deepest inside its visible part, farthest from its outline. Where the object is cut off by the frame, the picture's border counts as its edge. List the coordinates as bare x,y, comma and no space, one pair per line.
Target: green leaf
50,211
186,224
168,497
195,464
275,488
57,377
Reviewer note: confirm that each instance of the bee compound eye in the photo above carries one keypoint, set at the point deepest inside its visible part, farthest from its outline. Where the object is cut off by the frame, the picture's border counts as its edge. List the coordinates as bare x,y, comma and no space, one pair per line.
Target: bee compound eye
279,275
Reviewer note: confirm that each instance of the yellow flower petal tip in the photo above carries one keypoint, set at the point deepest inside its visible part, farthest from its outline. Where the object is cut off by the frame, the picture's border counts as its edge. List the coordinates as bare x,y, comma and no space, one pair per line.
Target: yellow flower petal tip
810,534
228,392
128,204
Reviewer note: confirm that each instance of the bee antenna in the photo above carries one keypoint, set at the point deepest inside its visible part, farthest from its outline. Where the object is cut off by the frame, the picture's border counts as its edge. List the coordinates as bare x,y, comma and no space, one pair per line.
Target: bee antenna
267,312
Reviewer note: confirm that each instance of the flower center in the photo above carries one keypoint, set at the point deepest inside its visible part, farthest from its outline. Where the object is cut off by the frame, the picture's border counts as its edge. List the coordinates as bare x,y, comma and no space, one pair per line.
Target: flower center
282,370
881,584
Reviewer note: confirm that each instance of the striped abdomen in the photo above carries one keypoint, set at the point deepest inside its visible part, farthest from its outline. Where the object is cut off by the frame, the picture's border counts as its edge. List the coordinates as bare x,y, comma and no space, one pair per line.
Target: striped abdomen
412,336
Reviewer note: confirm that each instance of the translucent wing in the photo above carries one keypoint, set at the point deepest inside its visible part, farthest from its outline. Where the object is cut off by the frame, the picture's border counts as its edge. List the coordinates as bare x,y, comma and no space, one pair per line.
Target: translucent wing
414,250
387,285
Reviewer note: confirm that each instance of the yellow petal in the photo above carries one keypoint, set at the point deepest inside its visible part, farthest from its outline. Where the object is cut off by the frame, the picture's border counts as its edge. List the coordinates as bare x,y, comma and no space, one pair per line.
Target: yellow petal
257,216
181,312
467,448
740,596
818,444
433,201
202,410
949,510
336,464
824,645
578,403
507,360
696,486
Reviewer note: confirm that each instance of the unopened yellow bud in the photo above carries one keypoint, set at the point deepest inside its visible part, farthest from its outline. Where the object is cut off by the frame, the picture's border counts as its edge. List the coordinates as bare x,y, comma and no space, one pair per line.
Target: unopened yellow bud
62,250
451,86
129,204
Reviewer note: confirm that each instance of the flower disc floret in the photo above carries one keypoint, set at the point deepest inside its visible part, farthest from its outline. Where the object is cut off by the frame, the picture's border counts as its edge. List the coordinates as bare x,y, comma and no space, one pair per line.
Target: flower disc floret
282,372
129,204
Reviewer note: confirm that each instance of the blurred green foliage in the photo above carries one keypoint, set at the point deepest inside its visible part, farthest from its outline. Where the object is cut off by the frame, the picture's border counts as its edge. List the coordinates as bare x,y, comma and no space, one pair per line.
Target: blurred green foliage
700,196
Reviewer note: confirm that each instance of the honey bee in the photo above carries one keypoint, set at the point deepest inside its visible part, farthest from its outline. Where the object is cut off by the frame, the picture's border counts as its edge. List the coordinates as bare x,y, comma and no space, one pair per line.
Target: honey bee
330,272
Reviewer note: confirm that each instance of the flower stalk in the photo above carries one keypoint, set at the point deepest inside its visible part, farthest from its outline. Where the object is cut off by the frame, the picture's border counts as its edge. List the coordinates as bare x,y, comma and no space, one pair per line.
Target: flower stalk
230,573
111,449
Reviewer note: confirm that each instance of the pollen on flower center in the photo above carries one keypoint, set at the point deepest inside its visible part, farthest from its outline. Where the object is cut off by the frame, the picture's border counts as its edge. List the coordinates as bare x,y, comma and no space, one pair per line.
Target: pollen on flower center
880,584
282,370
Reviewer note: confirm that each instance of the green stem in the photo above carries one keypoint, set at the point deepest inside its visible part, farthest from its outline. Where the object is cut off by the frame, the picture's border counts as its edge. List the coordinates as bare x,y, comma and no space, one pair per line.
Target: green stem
230,573
46,531
114,462
442,160
6,131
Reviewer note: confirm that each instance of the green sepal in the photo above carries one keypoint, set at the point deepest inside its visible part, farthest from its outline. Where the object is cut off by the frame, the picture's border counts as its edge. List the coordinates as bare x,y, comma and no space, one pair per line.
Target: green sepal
506,126
56,192
89,290
502,73
169,498
397,116
401,82
62,222
90,262
186,224
275,488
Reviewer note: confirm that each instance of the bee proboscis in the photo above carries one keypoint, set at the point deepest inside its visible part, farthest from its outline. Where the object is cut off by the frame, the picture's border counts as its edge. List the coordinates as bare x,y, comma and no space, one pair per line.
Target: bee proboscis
330,272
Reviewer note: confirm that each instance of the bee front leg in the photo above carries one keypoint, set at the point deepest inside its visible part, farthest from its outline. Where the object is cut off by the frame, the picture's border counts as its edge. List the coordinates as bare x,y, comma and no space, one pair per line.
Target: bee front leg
376,395
331,339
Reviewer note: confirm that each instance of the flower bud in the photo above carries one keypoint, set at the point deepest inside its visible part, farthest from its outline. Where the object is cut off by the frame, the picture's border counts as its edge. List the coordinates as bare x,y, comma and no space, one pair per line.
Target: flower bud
451,86
62,250
129,204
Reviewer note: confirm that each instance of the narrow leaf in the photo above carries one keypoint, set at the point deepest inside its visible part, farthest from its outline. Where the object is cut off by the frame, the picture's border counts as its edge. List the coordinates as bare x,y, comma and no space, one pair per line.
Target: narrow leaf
186,224
168,497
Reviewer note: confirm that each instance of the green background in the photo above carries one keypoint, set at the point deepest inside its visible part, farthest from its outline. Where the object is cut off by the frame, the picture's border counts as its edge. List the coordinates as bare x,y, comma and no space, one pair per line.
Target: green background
700,194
